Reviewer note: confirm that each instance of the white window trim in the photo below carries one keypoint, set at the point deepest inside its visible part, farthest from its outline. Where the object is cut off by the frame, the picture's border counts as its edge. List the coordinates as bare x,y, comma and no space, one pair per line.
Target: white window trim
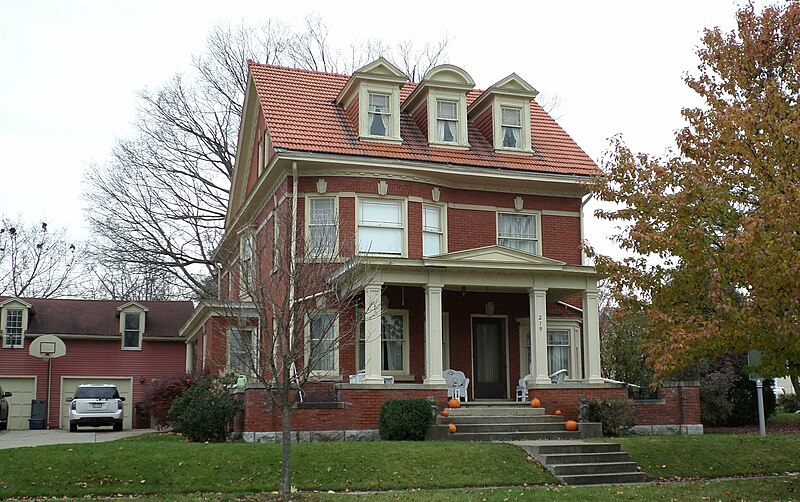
253,344
462,138
276,237
324,374
525,132
393,91
309,198
122,315
404,225
246,237
6,309
537,237
443,234
406,342
573,325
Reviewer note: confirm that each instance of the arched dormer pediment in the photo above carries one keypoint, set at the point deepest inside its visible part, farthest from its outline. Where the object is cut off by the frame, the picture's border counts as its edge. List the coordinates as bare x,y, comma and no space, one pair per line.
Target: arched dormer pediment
504,110
439,104
372,97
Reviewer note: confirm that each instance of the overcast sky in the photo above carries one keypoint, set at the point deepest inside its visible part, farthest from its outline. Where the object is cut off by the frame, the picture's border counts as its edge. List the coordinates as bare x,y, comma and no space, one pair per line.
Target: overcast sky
71,70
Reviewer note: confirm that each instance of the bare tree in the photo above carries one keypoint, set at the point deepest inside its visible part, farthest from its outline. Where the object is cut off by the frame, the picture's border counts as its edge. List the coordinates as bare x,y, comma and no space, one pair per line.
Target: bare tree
37,262
300,303
160,202
120,281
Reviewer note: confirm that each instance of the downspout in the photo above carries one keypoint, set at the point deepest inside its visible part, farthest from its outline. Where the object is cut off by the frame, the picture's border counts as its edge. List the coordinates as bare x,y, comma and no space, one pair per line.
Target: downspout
583,249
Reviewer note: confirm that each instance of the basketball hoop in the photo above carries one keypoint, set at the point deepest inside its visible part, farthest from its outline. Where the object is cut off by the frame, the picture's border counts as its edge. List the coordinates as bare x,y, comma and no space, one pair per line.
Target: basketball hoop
47,349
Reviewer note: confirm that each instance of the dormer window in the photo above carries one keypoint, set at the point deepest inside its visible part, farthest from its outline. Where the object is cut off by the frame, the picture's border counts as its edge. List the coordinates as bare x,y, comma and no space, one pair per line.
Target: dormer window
131,325
380,114
12,328
447,121
511,127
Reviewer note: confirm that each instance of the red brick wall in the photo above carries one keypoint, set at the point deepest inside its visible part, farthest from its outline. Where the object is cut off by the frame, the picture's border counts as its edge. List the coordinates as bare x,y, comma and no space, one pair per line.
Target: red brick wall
361,410
561,238
566,399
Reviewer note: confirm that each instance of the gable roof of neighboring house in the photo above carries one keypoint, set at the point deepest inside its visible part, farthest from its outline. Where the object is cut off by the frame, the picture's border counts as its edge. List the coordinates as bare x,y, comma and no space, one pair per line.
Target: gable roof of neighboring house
302,115
101,317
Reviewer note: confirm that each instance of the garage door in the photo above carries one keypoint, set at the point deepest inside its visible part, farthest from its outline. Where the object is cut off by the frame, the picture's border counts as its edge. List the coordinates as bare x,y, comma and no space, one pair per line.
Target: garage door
124,386
19,409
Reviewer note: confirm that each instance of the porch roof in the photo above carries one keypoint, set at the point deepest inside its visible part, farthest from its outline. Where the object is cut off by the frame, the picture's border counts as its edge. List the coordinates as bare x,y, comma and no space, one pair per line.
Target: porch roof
496,267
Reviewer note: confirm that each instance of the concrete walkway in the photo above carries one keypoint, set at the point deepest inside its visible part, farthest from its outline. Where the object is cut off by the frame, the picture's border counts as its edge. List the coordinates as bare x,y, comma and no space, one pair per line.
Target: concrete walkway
23,438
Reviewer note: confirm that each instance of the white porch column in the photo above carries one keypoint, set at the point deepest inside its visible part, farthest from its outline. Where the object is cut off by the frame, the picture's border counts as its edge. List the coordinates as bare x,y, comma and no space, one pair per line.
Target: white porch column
372,333
537,299
591,335
433,334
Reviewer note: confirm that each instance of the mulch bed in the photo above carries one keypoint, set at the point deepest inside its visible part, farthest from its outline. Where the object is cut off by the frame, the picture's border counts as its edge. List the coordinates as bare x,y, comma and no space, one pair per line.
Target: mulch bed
753,429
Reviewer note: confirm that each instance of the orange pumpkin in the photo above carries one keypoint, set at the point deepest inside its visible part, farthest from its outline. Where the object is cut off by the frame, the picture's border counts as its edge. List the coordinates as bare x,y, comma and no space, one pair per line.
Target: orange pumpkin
571,425
454,403
535,403
452,428
445,413
558,412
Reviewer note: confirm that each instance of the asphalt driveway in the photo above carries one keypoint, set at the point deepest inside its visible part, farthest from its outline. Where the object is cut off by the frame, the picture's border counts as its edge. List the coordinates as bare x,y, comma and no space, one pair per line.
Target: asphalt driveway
18,439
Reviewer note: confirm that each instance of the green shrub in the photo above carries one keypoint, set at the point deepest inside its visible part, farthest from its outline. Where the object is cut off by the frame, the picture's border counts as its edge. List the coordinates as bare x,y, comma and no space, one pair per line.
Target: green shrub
616,415
203,411
789,403
404,419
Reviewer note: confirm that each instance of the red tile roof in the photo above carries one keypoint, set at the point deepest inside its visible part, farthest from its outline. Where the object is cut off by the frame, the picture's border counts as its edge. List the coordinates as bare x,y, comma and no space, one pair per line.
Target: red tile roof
101,318
302,115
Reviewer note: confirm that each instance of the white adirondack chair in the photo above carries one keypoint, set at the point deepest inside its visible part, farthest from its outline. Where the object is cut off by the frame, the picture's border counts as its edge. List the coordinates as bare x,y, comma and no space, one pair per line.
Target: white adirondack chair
457,384
522,388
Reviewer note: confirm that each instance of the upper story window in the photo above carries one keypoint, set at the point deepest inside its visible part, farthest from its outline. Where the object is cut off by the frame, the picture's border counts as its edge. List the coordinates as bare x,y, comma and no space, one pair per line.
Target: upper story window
246,264
447,121
321,226
13,328
511,127
380,226
380,114
322,352
432,230
132,330
240,346
518,231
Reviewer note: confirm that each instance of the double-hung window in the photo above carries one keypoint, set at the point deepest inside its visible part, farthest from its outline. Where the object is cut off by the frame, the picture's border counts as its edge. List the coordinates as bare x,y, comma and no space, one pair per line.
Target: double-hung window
379,114
12,330
518,231
558,350
132,330
432,230
511,127
380,226
240,347
447,121
246,264
322,348
394,343
322,226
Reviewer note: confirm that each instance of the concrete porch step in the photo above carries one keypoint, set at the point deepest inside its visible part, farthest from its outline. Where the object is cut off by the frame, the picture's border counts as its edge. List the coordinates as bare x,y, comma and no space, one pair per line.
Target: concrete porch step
494,411
487,419
514,436
510,427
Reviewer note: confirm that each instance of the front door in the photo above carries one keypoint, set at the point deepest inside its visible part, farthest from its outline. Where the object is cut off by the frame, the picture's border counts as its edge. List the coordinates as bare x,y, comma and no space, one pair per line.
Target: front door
489,358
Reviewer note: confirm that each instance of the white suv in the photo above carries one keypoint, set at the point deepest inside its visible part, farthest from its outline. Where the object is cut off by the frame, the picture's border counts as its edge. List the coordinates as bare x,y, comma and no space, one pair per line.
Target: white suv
96,405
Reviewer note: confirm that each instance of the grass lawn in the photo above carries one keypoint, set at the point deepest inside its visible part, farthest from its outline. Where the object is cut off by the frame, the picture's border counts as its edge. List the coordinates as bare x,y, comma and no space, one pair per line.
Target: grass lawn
161,464
713,455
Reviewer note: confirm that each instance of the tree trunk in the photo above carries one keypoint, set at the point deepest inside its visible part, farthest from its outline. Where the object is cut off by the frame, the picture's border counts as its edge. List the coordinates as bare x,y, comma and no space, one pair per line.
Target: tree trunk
286,453
795,383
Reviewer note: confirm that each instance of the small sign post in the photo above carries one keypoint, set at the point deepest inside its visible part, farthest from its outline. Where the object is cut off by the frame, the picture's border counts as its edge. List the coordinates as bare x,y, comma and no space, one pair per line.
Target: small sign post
754,360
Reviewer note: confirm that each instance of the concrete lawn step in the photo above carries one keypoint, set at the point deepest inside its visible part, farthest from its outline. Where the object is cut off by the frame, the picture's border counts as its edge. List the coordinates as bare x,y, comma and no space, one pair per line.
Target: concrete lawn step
575,447
604,479
583,458
594,468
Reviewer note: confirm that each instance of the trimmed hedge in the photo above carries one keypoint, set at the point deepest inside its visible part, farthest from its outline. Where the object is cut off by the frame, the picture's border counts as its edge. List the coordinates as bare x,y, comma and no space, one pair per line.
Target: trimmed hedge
404,419
616,415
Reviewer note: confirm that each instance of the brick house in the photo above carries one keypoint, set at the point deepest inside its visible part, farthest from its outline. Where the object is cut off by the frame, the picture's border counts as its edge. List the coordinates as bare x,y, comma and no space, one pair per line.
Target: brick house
125,343
469,204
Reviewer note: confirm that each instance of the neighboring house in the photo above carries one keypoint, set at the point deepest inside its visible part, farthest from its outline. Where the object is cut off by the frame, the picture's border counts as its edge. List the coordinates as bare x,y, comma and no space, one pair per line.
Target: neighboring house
468,203
124,343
